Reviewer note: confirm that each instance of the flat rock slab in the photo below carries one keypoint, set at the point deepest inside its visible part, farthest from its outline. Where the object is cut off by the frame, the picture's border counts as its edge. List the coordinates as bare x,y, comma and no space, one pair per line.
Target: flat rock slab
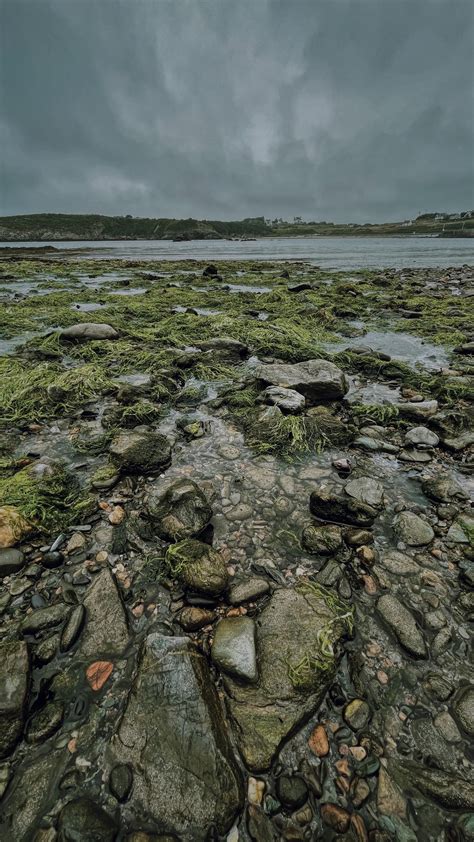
403,625
105,632
173,735
14,681
233,647
366,490
317,380
288,636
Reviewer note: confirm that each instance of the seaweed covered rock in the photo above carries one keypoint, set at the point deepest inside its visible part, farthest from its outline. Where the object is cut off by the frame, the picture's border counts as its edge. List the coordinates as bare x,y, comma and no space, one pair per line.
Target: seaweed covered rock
87,332
322,539
140,453
181,511
317,380
224,346
198,566
173,735
298,636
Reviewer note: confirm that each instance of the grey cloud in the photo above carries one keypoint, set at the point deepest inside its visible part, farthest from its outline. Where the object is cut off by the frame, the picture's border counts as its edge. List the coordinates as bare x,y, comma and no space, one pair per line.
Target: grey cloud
340,109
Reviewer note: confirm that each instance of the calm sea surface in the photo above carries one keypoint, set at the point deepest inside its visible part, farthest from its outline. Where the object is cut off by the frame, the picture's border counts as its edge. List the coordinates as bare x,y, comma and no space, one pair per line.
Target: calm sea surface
327,252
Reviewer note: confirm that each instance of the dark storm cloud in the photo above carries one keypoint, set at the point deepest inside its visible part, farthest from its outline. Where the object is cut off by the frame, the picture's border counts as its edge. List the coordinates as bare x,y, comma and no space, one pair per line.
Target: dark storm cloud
336,109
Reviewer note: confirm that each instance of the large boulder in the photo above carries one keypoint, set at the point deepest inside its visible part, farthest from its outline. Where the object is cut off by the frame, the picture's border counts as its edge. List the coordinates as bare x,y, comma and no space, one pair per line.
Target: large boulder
294,671
14,681
326,503
317,380
198,566
181,511
87,332
106,631
173,736
140,453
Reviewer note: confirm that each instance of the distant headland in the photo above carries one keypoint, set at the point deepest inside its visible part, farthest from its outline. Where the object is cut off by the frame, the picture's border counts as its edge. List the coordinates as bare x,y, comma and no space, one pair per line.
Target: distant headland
63,227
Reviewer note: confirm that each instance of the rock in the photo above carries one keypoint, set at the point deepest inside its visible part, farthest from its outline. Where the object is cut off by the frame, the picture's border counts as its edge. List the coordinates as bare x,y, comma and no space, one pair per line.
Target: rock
465,348
421,437
173,735
444,788
45,723
210,271
14,682
357,537
335,817
192,618
301,287
88,332
83,819
140,453
461,531
28,798
317,380
366,490
291,683
72,630
375,445
403,625
444,489
417,411
463,709
288,400
327,504
233,647
248,590
225,346
13,527
390,801
458,443
11,561
356,714
322,540
198,566
259,825
291,791
44,618
182,511
412,529
399,563
76,542
318,741
121,781
446,726
106,631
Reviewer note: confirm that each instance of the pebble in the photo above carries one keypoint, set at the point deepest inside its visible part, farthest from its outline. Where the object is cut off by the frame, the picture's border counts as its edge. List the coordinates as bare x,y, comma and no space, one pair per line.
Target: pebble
255,790
75,543
291,791
318,741
335,817
356,714
117,515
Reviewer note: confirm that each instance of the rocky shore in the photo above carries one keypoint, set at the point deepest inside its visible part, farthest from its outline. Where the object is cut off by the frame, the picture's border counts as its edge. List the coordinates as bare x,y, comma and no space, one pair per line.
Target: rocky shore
236,552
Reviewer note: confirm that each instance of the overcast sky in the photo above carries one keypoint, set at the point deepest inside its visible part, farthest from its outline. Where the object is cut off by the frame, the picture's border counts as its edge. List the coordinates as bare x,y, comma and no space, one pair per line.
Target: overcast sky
332,109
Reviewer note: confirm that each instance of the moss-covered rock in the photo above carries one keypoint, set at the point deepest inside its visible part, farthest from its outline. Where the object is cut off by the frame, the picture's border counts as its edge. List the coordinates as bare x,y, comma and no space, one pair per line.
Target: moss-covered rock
140,453
198,566
182,511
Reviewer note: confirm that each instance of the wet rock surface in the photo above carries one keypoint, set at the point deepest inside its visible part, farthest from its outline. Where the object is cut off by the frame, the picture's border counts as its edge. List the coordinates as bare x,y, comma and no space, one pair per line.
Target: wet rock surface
236,606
